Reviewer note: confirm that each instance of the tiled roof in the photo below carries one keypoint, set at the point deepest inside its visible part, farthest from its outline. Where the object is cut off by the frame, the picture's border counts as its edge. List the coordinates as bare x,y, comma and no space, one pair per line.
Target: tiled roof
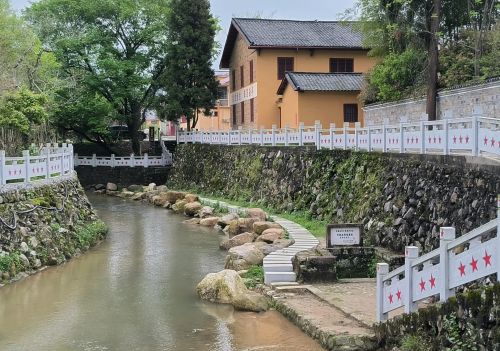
291,34
301,81
297,34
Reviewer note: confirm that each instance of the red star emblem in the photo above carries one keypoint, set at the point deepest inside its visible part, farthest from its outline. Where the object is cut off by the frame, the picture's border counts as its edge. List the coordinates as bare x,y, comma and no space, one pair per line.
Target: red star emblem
434,140
460,139
454,140
467,139
398,294
422,285
492,142
430,140
485,141
461,269
391,297
416,140
474,264
432,281
487,259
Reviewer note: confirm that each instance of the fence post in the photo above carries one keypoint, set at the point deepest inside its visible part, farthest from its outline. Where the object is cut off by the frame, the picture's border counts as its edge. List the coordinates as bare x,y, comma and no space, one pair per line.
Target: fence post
273,135
47,161
422,137
446,235
498,237
3,168
261,136
63,153
250,141
346,125
332,133
369,139
301,134
286,134
411,253
94,160
72,159
384,135
112,160
239,135
475,136
402,138
26,157
146,161
132,160
317,134
357,125
446,137
229,138
382,270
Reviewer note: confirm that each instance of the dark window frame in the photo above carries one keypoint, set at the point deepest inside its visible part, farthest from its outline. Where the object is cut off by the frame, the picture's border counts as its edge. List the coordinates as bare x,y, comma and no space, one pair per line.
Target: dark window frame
252,110
351,113
251,71
341,65
285,64
233,80
242,106
242,76
234,115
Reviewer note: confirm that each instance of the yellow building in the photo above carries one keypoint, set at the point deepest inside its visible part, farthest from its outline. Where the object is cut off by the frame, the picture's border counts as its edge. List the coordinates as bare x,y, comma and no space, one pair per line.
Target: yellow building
220,117
259,53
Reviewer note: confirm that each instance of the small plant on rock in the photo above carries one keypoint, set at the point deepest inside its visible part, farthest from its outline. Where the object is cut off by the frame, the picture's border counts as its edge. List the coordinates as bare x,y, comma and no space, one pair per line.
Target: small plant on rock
414,343
254,276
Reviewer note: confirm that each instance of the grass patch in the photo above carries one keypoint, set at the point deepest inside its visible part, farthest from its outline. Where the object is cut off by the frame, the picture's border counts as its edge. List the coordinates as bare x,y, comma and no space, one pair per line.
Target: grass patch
88,235
253,277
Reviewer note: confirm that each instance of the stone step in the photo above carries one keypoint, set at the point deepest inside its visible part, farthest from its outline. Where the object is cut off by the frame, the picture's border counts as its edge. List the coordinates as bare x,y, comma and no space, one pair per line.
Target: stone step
272,277
278,267
284,284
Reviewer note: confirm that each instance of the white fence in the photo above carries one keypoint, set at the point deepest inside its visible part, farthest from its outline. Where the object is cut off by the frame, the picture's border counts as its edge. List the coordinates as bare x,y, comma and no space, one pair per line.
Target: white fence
54,161
475,136
457,261
131,161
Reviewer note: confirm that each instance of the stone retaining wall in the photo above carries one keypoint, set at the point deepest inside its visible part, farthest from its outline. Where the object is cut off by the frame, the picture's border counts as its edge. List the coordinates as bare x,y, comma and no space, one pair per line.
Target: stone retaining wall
400,199
123,176
44,224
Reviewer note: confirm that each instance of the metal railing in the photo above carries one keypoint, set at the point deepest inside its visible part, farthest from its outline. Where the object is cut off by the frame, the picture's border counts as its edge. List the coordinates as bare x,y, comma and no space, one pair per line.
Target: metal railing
438,273
475,136
54,161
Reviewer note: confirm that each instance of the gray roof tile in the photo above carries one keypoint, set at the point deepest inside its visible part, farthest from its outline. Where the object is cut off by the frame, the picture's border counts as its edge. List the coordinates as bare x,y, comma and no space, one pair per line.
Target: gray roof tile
322,81
307,34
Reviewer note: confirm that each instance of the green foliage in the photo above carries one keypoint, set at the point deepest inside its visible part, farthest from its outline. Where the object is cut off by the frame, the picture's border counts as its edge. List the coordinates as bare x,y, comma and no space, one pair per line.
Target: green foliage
414,343
254,276
461,339
112,50
22,110
90,234
189,76
11,263
397,76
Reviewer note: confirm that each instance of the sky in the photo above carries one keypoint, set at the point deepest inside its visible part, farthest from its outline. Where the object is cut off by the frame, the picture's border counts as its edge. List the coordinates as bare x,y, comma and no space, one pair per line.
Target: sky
276,9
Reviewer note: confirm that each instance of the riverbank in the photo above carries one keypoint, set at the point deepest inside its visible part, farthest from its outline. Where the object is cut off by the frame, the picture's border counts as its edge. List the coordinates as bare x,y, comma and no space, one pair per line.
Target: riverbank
301,305
44,225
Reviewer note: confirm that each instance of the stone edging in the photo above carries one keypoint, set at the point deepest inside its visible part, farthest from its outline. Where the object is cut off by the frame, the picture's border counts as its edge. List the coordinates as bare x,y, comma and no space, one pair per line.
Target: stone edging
38,184
278,266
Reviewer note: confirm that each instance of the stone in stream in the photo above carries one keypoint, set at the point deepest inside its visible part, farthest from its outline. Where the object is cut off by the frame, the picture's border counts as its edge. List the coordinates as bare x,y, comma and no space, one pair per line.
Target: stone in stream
192,221
174,196
243,257
111,187
178,207
206,211
191,198
135,188
256,213
227,287
226,219
259,227
237,240
209,222
192,208
271,235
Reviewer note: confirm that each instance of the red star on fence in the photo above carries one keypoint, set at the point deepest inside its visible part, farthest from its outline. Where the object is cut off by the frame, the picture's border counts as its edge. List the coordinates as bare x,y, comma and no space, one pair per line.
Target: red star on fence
460,139
391,297
485,141
473,264
487,259
432,281
398,294
466,139
492,142
422,284
461,269
454,140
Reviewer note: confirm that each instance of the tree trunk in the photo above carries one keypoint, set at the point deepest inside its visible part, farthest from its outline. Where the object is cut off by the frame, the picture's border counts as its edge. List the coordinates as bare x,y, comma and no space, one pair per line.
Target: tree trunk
133,127
433,63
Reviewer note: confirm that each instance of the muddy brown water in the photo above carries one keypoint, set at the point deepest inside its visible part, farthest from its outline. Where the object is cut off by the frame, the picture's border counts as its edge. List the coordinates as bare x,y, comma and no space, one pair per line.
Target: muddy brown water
136,291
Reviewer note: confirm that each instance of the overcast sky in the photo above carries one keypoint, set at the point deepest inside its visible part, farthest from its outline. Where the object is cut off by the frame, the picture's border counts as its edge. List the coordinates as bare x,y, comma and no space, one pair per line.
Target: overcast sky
277,9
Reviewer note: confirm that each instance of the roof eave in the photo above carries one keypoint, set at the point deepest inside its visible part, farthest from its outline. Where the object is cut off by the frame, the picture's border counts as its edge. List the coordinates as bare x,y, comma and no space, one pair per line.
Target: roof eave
357,48
232,34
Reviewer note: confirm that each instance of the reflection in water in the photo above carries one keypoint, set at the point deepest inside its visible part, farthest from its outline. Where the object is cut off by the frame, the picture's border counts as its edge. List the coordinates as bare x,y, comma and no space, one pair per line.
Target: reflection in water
136,292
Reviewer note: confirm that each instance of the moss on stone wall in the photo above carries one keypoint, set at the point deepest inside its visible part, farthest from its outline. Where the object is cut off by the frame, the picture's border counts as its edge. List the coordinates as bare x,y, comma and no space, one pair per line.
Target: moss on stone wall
400,200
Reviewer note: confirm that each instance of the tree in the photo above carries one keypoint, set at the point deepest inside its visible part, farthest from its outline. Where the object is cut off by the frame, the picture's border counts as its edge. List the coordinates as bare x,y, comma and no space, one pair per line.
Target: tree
114,49
432,82
189,78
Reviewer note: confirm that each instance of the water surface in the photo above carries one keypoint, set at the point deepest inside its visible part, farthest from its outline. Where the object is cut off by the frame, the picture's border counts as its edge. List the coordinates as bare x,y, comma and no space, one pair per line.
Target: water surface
136,291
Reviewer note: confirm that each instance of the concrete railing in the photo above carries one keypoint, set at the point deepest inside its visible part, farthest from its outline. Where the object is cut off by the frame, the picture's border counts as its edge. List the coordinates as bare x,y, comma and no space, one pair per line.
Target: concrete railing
438,273
474,136
131,161
54,161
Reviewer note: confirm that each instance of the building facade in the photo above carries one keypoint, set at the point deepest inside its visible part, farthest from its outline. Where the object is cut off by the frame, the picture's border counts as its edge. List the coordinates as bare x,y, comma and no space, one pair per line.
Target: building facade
259,52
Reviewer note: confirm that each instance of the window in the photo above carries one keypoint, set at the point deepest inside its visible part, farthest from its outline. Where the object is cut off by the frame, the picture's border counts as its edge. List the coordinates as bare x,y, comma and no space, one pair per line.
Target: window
350,113
285,64
251,71
215,113
242,77
222,93
234,115
242,112
341,65
233,80
252,110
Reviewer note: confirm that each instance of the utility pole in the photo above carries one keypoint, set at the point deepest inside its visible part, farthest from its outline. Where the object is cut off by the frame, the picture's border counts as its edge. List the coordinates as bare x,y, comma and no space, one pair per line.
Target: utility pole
433,62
